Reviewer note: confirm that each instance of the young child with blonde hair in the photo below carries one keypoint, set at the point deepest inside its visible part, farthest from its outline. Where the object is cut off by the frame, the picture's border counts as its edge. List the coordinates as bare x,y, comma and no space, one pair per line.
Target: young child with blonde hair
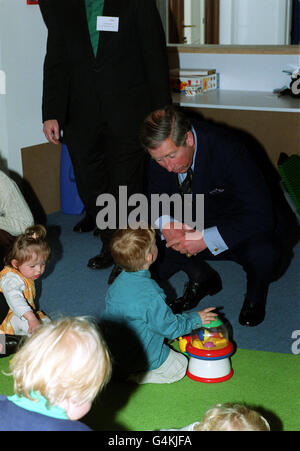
228,417
24,264
136,319
57,373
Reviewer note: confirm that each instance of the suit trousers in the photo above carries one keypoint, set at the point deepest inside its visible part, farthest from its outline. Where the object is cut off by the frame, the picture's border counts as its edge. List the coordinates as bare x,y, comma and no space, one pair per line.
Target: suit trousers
107,162
258,256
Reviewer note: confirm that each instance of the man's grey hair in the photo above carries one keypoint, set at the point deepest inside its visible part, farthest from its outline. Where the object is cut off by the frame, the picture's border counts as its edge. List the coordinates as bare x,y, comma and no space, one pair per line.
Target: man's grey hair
168,122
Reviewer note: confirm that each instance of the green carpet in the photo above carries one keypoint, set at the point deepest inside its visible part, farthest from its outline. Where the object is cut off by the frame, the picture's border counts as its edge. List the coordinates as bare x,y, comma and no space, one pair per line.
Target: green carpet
266,381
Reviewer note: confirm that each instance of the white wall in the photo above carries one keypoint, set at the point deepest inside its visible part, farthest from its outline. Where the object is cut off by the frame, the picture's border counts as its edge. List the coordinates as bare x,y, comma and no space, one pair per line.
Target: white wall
244,72
22,50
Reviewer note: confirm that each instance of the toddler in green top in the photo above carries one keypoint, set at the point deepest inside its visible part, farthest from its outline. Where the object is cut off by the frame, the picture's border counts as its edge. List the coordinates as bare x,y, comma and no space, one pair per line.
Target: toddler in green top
137,319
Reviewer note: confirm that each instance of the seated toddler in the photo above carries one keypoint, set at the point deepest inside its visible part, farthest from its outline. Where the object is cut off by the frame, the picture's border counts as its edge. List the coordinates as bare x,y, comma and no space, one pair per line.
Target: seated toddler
137,321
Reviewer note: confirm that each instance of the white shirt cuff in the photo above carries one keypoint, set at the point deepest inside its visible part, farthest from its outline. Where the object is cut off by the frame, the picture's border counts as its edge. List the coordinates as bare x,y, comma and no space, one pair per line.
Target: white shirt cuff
214,241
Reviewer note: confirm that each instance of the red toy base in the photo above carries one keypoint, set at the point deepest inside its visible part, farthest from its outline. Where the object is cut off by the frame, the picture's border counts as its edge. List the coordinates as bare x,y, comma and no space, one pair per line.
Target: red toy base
209,353
212,380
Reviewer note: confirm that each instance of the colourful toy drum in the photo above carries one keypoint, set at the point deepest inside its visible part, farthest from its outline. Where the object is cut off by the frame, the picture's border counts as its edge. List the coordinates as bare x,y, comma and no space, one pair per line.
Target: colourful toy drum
209,350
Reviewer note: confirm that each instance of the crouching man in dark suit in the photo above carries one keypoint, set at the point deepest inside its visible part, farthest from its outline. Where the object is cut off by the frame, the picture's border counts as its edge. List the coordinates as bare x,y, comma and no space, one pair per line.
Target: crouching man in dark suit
239,220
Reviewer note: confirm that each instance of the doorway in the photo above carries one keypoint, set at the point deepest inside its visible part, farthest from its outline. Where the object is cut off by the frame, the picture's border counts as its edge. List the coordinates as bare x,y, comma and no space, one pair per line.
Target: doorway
193,22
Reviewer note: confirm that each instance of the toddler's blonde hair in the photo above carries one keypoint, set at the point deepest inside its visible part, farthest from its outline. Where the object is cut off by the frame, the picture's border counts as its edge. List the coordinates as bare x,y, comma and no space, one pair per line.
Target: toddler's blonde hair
129,247
232,417
66,359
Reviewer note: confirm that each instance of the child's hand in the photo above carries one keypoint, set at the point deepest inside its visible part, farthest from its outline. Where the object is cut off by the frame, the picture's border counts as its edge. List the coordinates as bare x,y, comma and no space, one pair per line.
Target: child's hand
32,325
33,322
207,316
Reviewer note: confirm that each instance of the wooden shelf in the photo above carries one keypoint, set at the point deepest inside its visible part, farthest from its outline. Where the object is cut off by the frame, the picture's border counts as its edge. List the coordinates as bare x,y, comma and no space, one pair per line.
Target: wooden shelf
239,100
236,49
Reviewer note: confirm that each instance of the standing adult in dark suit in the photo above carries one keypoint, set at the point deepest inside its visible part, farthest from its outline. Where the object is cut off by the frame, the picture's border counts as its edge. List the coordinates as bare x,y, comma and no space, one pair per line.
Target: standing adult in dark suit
105,70
239,220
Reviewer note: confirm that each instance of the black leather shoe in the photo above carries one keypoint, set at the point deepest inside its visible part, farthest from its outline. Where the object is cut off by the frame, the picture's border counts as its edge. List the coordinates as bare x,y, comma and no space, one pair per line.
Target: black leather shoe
116,271
87,224
252,313
194,292
102,260
11,344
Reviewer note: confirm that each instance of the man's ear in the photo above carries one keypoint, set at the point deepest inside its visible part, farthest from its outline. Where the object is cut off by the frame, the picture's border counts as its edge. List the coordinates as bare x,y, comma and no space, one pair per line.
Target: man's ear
15,263
190,138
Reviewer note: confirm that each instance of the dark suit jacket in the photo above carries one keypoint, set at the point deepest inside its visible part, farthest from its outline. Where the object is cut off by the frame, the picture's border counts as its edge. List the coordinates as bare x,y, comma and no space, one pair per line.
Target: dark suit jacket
236,197
127,79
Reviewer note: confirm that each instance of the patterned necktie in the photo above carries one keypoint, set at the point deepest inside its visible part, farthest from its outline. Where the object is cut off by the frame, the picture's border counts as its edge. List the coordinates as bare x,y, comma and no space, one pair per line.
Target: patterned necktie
186,186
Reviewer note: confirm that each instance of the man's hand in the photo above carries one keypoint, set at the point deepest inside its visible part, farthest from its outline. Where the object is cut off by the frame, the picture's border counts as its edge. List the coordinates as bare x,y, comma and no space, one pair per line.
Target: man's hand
173,233
51,131
189,241
194,242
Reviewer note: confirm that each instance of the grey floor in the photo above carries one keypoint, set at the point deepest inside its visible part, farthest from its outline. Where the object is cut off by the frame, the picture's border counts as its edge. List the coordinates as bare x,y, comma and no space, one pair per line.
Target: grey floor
69,287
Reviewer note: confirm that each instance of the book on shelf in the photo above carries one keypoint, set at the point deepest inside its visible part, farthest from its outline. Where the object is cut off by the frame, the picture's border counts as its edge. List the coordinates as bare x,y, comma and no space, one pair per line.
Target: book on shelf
177,72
